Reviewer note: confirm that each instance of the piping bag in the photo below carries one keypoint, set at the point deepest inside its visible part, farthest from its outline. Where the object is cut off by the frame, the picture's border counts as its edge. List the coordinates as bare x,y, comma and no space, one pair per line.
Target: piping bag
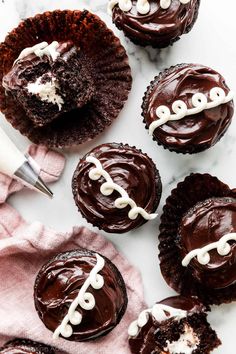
19,166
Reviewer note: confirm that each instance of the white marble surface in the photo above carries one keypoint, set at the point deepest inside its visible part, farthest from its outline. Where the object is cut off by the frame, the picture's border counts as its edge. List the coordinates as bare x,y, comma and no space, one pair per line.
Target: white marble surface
211,42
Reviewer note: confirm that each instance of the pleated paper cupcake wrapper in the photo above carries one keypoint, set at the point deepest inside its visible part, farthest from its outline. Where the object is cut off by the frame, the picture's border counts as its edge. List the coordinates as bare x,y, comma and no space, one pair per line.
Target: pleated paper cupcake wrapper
162,75
111,69
137,222
195,188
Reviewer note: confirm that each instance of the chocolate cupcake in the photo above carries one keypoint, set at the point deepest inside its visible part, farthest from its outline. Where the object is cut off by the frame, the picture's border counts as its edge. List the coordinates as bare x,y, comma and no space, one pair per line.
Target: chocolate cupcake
64,77
198,239
174,325
80,295
158,23
188,108
116,187
26,346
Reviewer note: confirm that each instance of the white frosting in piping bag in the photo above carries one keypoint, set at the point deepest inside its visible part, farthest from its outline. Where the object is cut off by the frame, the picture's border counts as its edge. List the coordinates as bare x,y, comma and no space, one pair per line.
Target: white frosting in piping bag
180,109
10,157
84,299
40,49
160,312
143,6
108,187
222,246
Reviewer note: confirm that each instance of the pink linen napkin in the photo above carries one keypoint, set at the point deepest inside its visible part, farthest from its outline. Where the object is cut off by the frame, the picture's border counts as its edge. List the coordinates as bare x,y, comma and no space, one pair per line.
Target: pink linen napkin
25,247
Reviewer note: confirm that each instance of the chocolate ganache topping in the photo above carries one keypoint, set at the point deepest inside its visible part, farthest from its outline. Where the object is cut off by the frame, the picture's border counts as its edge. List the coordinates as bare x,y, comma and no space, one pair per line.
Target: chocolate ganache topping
58,284
203,225
159,27
26,346
152,337
17,349
192,133
131,170
189,304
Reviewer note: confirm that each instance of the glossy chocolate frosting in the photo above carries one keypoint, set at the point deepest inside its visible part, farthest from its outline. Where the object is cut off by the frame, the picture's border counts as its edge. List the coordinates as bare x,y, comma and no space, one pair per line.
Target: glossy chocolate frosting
190,304
206,223
18,349
160,27
58,284
130,169
74,84
193,133
26,346
147,340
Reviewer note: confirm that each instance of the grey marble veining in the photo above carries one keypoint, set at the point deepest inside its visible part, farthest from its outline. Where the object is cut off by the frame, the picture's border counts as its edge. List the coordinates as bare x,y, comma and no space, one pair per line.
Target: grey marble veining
211,42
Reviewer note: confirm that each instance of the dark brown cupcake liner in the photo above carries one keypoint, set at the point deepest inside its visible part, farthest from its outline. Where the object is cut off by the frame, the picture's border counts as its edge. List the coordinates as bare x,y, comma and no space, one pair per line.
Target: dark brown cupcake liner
109,60
143,43
30,345
195,188
162,75
157,182
85,252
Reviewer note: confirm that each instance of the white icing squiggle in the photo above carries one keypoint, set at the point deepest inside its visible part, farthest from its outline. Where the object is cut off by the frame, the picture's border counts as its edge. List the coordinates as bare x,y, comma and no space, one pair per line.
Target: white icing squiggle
108,187
84,299
199,102
143,6
41,49
165,4
160,312
222,246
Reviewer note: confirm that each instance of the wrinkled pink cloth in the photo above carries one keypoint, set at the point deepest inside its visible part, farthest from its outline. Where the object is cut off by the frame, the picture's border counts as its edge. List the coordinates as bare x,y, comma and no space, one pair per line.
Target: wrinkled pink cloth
25,247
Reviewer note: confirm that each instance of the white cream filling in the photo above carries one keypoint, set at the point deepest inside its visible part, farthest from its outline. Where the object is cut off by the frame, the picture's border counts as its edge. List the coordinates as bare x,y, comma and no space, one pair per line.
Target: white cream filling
187,342
46,91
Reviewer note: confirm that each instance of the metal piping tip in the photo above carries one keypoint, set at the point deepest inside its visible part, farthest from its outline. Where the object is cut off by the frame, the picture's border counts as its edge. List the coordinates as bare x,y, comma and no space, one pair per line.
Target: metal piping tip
28,173
41,186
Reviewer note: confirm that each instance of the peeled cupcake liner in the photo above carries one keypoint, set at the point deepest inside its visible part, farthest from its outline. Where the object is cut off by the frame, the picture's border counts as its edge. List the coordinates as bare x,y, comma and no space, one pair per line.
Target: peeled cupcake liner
158,184
110,63
85,252
158,78
195,188
144,43
29,344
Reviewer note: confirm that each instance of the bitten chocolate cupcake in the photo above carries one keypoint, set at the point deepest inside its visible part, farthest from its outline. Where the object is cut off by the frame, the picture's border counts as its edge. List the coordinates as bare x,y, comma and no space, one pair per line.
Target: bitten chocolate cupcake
64,77
80,295
198,239
49,80
158,23
174,325
188,108
116,187
26,346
